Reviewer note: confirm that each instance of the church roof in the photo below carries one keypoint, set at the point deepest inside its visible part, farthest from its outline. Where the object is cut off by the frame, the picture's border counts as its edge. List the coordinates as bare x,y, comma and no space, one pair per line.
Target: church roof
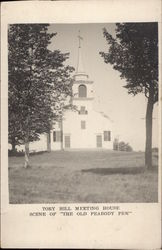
104,115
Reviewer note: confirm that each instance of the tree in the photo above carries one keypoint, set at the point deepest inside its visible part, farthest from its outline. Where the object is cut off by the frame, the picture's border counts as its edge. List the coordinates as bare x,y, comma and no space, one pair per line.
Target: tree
121,146
134,53
128,148
38,83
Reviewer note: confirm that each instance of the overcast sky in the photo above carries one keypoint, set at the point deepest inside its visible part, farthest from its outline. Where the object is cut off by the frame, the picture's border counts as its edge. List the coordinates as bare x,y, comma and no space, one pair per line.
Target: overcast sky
126,112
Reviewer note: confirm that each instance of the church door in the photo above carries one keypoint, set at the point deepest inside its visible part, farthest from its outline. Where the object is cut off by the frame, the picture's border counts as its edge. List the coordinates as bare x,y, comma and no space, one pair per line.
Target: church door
99,141
67,141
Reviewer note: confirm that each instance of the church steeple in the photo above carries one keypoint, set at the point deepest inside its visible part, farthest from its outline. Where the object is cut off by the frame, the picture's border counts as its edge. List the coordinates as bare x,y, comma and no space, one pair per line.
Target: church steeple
80,71
80,67
82,86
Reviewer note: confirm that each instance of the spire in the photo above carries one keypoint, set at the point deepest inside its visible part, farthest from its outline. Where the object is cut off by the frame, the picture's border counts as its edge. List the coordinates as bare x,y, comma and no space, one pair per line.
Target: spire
80,38
80,68
80,72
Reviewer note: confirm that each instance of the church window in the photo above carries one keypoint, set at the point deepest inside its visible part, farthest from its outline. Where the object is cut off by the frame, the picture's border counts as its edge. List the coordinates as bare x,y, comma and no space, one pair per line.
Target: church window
83,125
107,135
57,136
82,91
83,110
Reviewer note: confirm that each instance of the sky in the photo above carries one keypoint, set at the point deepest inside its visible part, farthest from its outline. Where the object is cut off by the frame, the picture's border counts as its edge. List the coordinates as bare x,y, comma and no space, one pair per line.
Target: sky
126,112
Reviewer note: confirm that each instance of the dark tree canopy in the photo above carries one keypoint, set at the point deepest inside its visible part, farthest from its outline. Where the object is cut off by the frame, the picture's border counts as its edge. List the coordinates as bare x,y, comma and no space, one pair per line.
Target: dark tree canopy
134,53
38,83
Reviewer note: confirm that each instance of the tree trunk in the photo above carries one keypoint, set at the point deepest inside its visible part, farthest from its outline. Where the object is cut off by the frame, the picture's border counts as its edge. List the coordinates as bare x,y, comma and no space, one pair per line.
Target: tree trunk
49,141
26,164
13,145
62,134
148,149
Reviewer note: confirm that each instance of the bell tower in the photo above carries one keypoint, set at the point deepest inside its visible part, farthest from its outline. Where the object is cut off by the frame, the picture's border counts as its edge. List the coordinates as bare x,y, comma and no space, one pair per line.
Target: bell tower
82,86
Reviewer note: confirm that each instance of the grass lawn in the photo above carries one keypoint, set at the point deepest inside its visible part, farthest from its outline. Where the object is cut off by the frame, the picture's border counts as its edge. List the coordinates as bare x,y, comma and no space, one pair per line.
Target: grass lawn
83,176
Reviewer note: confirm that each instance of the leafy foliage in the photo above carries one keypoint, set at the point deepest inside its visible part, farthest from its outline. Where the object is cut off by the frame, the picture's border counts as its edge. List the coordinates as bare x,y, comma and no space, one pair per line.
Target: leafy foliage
38,83
121,146
134,53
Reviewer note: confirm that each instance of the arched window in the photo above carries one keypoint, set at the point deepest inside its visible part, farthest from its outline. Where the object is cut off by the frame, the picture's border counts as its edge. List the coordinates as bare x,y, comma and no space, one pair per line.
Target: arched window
82,91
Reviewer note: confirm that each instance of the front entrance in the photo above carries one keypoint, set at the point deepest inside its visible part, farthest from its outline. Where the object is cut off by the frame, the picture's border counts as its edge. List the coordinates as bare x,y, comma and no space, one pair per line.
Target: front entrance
67,141
99,141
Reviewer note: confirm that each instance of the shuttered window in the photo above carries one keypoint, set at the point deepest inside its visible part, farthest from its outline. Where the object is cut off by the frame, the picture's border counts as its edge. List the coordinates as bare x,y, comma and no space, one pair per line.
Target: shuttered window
107,135
83,125
83,110
57,136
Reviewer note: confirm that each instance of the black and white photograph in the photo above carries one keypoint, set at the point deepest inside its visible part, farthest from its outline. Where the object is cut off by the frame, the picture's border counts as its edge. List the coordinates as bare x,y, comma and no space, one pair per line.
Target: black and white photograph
83,112
81,124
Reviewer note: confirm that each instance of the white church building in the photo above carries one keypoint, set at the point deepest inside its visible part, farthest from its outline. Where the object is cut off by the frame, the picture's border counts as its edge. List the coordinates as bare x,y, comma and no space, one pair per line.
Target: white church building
81,129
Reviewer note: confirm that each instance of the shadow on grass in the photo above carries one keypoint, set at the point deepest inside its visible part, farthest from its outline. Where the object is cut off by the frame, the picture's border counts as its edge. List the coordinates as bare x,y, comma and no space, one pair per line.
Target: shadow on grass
121,170
19,153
